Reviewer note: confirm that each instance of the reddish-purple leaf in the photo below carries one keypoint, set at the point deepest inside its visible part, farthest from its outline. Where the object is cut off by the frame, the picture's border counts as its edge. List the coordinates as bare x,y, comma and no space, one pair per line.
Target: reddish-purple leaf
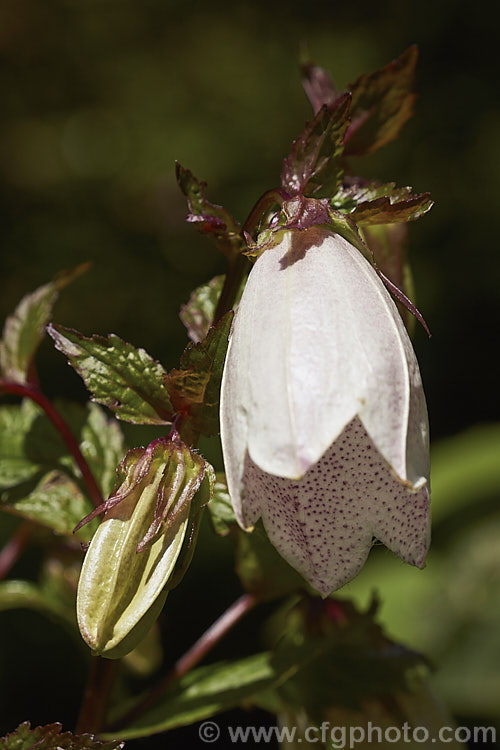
313,167
318,86
381,104
210,218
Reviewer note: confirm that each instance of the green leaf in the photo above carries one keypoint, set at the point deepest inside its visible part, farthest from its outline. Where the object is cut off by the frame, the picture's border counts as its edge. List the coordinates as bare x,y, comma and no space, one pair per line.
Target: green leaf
197,314
40,481
377,203
28,443
313,168
54,594
16,594
125,379
195,387
25,328
51,737
103,447
389,209
54,500
220,508
204,692
210,218
346,657
381,104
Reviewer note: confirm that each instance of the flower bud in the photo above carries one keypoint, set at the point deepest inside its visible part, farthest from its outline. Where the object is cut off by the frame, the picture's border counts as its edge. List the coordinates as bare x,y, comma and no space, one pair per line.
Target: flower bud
133,553
323,417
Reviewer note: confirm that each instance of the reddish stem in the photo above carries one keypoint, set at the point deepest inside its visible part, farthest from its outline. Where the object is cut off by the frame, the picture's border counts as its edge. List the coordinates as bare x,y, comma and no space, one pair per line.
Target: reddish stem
96,698
11,551
192,657
31,391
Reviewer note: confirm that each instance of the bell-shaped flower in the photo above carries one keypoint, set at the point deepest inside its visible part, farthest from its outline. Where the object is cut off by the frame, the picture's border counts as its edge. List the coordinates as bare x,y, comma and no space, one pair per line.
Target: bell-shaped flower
323,416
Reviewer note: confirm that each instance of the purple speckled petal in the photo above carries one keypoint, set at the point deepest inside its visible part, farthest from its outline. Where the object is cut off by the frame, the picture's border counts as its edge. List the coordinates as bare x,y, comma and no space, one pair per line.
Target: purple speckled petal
323,524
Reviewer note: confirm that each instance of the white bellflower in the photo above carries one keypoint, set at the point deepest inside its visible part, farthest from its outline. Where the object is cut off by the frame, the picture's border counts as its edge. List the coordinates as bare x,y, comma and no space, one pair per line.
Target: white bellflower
323,417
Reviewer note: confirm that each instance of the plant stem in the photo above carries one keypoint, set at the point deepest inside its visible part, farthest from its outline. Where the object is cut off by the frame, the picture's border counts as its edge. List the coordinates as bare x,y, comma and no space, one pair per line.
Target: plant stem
191,658
11,551
238,267
96,697
28,390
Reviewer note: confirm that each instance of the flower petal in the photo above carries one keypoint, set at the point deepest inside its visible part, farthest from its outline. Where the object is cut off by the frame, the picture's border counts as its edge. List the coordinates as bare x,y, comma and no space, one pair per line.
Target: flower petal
323,524
316,341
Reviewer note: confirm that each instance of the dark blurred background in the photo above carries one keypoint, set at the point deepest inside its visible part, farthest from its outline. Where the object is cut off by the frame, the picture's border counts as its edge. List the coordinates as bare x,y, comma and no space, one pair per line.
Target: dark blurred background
99,97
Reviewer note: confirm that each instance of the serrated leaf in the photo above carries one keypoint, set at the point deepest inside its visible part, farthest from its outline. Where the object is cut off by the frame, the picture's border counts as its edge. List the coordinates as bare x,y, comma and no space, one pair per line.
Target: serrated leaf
125,379
103,447
25,328
197,314
194,388
51,737
53,500
313,168
381,104
210,218
204,692
379,203
390,210
220,508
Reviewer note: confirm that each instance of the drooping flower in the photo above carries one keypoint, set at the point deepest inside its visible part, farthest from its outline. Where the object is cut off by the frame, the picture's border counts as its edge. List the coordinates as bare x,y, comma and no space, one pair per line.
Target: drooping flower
323,416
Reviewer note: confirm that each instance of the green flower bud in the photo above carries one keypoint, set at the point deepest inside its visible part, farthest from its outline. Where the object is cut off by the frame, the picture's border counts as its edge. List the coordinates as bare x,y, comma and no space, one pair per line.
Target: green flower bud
133,553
